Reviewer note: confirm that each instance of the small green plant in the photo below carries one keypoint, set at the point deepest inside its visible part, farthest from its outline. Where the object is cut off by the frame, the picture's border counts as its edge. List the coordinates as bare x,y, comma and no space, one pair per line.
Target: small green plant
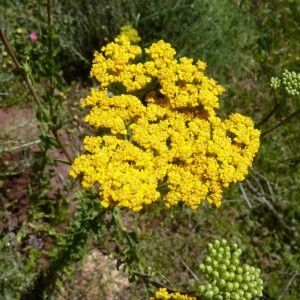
44,213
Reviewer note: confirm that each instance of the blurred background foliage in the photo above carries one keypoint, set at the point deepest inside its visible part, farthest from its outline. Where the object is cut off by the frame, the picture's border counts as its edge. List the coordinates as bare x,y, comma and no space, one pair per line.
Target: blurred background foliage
244,43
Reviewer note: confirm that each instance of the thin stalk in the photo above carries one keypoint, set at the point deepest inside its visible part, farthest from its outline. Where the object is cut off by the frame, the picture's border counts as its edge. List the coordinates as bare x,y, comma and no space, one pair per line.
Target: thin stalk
119,222
20,70
50,51
50,46
147,279
270,114
123,229
281,123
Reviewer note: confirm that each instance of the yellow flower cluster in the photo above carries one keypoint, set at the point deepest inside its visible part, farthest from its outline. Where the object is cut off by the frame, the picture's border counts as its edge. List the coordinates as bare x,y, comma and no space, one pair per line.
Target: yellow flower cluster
130,33
162,294
158,132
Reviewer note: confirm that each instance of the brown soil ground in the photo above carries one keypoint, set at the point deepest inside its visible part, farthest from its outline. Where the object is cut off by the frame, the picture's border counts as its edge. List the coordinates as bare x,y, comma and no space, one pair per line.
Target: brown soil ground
20,145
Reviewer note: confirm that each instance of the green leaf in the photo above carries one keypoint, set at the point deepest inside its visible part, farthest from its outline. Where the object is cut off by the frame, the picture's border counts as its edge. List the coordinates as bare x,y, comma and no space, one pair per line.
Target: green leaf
43,115
63,161
49,140
133,237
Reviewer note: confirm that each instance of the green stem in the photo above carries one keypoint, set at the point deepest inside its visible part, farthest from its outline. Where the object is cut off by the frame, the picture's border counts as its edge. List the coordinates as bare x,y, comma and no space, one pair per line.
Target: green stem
119,223
50,50
147,279
150,87
281,123
116,214
270,114
20,70
162,185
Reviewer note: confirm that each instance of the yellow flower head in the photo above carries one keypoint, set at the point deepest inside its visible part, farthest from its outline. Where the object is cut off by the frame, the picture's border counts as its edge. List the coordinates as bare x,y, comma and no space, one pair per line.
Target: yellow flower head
162,294
130,33
158,134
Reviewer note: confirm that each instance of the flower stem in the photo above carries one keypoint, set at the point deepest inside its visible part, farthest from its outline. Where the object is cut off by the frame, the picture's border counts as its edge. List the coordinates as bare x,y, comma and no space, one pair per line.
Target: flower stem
270,114
21,70
281,123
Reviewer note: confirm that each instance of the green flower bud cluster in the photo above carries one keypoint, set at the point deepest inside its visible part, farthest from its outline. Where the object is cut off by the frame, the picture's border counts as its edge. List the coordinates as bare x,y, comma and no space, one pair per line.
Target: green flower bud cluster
227,278
290,82
275,83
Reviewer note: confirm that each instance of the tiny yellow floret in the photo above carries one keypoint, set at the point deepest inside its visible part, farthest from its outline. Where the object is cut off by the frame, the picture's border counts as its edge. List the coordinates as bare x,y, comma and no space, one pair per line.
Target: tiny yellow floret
130,33
163,294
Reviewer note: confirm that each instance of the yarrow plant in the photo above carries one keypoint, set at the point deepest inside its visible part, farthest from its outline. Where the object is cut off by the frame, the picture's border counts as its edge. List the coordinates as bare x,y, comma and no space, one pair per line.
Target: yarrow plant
158,134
